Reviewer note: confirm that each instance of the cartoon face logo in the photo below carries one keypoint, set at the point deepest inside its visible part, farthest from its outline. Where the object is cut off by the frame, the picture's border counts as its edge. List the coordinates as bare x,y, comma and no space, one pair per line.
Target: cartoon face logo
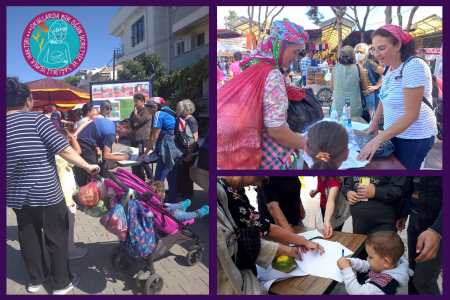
54,44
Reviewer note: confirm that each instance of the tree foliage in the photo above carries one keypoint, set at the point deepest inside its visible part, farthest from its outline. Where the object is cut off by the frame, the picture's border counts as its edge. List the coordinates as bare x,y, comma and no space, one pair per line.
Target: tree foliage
361,27
144,67
314,15
232,15
265,24
72,80
174,87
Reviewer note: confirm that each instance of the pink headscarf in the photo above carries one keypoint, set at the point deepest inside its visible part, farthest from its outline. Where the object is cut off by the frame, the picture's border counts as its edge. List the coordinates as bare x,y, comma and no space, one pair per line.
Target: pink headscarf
396,31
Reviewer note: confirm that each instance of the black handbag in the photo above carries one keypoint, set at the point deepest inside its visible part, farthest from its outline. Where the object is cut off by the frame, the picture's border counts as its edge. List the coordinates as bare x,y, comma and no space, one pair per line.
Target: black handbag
365,114
386,148
304,113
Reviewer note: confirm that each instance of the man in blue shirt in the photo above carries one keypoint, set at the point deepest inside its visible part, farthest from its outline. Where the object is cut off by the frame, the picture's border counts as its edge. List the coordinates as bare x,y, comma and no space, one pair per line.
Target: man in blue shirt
100,133
305,62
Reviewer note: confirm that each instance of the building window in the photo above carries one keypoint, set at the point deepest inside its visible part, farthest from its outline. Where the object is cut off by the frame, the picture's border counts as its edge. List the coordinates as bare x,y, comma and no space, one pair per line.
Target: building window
137,32
179,46
201,39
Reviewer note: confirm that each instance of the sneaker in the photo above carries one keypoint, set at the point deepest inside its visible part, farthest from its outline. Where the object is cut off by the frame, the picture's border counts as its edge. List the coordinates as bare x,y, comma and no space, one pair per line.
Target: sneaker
203,211
185,204
77,253
34,288
73,283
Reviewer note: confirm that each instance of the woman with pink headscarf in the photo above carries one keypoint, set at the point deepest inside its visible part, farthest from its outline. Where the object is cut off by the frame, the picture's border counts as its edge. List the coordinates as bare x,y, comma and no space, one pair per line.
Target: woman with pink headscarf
252,129
406,100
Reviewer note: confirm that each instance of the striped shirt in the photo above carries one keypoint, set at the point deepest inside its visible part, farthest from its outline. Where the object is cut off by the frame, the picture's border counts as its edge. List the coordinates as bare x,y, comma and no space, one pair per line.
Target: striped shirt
305,62
415,74
31,145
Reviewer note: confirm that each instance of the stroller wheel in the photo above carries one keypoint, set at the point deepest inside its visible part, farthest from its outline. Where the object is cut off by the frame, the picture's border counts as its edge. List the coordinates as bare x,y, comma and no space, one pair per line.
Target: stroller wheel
140,283
119,260
194,257
153,285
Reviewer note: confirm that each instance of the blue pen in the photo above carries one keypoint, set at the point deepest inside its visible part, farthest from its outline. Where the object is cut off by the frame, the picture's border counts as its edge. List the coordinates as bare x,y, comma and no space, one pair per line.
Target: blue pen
342,256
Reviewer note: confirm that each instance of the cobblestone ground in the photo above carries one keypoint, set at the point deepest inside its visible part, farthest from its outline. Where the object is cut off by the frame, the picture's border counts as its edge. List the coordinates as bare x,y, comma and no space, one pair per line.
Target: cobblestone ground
434,157
340,287
99,275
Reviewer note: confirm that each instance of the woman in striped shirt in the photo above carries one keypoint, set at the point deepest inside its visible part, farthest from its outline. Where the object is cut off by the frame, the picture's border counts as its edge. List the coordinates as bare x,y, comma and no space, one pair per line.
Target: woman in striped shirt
409,122
33,189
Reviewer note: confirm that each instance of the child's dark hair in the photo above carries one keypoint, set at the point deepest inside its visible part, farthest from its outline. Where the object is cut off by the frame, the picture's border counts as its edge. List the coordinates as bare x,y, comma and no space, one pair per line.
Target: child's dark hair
157,187
328,137
17,93
386,244
407,50
87,108
63,132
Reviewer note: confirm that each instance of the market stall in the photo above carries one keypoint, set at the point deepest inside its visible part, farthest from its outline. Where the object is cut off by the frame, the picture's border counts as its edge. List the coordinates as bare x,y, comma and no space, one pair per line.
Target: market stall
318,79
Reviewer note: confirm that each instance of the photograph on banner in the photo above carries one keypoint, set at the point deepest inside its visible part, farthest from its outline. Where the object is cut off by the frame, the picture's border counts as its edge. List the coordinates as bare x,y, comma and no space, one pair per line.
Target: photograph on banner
99,112
322,76
330,235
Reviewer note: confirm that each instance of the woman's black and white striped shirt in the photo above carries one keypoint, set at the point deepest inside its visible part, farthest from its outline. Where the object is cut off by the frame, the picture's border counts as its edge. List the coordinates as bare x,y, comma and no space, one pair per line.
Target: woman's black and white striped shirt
31,145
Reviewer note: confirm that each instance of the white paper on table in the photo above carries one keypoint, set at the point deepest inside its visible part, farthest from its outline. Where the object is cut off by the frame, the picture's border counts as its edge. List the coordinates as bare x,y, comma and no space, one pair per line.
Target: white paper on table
269,276
324,265
360,126
311,234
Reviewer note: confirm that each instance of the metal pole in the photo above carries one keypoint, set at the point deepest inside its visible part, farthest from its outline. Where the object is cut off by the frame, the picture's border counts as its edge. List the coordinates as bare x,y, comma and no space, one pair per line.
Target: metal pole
114,65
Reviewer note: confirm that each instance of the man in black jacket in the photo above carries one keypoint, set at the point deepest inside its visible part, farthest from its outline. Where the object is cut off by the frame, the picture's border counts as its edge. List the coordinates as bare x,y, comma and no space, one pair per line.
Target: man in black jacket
424,235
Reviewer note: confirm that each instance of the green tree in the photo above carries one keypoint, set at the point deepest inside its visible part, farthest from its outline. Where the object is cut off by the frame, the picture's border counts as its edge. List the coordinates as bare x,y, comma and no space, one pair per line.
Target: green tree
232,15
72,80
146,66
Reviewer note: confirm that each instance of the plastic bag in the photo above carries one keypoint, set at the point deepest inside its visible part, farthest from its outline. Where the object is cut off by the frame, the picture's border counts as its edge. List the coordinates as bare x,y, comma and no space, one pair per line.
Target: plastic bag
89,194
116,222
99,210
303,113
102,188
298,83
115,201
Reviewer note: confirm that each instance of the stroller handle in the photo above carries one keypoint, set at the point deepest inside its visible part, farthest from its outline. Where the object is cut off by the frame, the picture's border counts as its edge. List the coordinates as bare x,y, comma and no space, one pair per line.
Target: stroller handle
118,181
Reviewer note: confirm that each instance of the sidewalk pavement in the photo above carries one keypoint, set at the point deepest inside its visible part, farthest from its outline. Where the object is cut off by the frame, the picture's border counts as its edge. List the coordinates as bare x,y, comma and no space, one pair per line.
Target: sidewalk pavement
99,275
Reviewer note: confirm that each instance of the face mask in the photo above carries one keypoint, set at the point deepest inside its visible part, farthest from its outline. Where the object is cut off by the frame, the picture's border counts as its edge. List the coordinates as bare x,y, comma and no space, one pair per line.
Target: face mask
359,56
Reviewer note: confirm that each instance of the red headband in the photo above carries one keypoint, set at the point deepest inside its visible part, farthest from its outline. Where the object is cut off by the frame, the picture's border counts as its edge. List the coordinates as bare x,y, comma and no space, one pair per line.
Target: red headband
396,31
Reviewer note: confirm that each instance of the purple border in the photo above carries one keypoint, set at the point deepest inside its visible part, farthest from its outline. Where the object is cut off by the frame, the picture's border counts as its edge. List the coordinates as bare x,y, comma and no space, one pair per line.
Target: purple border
53,72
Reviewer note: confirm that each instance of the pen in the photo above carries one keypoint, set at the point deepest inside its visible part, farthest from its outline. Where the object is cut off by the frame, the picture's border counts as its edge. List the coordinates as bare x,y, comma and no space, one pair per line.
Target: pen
342,256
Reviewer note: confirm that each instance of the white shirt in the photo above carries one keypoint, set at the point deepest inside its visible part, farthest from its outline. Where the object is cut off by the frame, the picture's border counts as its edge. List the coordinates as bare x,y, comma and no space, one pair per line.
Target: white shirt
81,122
415,74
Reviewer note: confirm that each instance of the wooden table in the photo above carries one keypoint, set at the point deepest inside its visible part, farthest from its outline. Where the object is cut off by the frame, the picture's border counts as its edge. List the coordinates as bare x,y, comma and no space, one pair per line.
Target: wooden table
388,163
313,285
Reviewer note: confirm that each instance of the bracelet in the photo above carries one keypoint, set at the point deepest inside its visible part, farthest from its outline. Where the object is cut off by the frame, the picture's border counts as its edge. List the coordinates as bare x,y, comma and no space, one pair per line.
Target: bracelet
435,233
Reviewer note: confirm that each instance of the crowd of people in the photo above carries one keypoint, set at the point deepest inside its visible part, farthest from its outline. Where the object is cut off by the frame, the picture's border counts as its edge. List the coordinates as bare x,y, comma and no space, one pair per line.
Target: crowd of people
387,82
41,183
247,237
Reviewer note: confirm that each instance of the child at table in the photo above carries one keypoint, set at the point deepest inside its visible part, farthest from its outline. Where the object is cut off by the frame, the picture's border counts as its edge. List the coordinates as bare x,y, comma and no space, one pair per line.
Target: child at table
387,270
178,209
327,145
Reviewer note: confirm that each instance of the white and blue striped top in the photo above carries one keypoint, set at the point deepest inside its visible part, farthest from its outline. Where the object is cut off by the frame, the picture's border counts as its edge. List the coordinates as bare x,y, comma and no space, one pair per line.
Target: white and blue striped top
415,74
31,145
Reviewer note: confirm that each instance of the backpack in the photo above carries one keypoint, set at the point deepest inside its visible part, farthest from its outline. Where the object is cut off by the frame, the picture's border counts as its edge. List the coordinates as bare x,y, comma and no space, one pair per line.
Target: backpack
141,237
182,132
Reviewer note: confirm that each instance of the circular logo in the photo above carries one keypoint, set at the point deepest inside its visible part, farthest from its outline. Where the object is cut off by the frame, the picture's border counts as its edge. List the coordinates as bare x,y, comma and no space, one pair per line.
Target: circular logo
54,44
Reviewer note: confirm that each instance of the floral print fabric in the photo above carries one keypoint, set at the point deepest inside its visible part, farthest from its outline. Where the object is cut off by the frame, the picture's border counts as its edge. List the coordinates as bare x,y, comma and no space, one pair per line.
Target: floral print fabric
275,102
243,213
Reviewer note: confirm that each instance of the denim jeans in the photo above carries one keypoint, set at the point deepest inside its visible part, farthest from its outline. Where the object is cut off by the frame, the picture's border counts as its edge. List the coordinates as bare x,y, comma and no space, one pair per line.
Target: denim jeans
304,79
411,153
162,172
370,100
424,281
180,216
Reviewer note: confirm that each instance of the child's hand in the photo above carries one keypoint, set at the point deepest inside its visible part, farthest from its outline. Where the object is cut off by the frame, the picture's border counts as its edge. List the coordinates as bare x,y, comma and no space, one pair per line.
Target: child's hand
343,263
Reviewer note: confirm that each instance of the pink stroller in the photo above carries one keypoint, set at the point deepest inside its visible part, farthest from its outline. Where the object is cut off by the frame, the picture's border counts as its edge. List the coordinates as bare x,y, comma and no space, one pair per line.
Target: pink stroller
171,232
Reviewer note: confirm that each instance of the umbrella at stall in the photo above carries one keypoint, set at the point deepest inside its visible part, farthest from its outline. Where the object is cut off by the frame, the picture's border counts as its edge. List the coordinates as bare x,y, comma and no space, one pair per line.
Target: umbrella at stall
49,91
